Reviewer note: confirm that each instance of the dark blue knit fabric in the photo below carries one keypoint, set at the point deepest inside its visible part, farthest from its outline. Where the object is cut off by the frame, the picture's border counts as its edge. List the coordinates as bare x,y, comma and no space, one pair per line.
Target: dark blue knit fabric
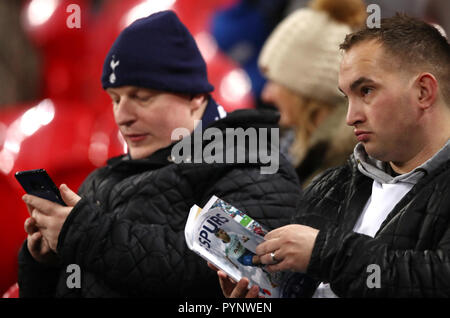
156,52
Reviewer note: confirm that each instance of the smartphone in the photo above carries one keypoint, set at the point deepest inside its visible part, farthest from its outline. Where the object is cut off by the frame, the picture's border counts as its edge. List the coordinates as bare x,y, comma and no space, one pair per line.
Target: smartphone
37,182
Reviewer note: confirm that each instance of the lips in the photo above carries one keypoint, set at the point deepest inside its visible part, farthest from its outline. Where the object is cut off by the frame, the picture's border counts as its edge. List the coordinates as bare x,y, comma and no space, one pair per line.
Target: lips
135,137
362,135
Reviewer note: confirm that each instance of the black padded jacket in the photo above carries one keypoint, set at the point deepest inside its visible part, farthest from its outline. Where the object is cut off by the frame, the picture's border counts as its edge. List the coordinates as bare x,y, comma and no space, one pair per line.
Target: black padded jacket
410,253
126,234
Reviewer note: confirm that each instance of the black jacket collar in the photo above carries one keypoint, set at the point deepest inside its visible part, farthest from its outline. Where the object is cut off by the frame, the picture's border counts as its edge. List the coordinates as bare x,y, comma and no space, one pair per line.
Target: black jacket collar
243,118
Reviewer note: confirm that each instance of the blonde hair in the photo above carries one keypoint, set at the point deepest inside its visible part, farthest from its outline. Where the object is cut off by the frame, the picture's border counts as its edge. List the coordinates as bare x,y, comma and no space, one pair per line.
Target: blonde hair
302,55
306,111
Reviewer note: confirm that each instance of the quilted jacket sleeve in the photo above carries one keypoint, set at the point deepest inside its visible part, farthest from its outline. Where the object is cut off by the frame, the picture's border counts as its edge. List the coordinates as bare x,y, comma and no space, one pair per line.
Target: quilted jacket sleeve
35,279
152,259
409,258
139,259
352,261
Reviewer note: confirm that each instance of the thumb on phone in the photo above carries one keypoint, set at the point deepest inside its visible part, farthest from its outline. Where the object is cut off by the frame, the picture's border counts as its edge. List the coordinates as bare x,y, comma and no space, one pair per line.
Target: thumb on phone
69,197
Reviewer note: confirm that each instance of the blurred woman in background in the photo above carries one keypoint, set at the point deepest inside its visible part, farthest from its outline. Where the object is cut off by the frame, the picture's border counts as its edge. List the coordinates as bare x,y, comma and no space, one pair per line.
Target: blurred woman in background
301,62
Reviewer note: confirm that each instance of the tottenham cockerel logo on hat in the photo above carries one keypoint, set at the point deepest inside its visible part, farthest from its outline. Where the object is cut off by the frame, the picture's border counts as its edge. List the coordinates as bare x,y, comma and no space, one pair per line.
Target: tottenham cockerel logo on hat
113,64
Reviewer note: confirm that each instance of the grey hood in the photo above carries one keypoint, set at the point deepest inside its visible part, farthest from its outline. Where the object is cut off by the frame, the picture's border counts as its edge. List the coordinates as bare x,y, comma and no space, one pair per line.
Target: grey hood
381,171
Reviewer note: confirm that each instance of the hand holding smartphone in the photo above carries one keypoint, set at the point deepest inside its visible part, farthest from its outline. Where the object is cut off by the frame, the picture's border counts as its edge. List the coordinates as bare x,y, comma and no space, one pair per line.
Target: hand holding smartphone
37,182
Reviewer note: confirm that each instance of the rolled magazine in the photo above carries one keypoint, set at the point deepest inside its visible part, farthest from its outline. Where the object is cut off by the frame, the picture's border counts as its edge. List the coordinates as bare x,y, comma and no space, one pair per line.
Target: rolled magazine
227,238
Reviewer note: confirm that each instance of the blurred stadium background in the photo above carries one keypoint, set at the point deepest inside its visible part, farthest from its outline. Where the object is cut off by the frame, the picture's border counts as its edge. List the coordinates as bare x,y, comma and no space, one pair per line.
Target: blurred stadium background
53,111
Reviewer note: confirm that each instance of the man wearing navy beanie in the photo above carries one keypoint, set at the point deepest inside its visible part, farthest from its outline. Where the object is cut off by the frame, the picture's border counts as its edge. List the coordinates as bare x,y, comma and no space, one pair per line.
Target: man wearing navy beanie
157,52
125,228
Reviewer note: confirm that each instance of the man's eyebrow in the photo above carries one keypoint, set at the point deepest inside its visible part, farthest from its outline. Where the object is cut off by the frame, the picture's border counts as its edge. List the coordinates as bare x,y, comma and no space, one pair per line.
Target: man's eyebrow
360,81
111,92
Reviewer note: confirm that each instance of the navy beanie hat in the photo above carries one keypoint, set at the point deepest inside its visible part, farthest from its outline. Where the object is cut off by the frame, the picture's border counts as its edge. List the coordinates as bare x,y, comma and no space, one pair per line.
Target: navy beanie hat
156,52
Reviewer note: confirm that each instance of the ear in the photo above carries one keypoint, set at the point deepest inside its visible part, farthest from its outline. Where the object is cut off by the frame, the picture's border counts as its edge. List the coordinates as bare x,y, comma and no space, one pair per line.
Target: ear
198,102
427,90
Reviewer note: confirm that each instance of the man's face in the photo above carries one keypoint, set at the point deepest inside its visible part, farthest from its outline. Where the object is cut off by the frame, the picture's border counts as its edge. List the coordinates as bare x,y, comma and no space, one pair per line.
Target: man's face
381,105
146,118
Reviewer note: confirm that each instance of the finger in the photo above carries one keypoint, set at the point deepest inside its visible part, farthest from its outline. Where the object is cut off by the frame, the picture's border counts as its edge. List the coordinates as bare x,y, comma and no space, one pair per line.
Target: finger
240,291
33,213
269,260
281,266
232,281
30,225
45,245
214,268
253,292
41,220
43,205
34,242
224,275
69,197
29,208
268,246
224,287
275,233
256,260
225,284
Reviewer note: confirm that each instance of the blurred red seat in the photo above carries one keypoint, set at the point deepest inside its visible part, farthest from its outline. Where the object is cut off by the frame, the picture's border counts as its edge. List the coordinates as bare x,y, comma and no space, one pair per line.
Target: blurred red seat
71,130
12,292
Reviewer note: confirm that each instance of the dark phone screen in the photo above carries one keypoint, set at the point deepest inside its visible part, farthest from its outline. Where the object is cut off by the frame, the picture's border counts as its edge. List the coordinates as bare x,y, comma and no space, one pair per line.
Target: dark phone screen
38,182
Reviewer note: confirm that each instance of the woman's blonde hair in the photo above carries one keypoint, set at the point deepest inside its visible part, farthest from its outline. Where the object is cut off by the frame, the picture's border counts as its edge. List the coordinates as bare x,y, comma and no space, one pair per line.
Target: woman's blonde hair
306,111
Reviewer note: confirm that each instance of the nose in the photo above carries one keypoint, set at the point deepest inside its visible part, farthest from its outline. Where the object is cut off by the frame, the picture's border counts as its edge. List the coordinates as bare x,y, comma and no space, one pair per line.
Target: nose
355,114
267,93
124,112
